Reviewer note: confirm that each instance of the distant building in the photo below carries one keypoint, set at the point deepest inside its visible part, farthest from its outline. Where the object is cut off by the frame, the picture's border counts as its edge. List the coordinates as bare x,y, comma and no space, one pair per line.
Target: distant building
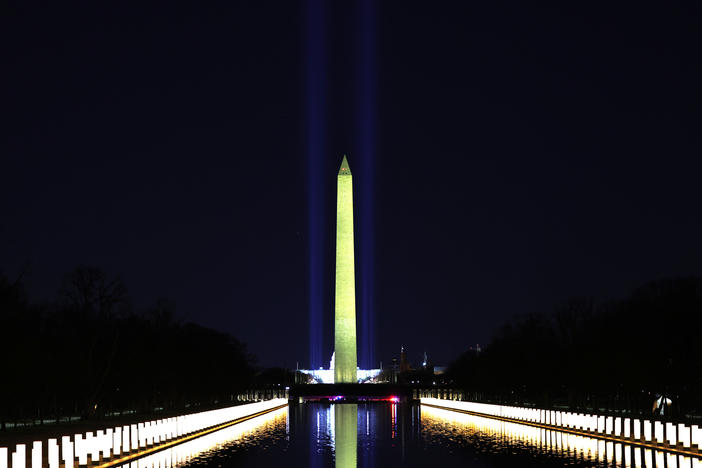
404,364
323,375
402,371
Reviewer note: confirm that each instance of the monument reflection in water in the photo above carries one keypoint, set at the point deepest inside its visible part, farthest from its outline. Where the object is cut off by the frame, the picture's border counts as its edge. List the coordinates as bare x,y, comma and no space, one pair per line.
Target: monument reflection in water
345,435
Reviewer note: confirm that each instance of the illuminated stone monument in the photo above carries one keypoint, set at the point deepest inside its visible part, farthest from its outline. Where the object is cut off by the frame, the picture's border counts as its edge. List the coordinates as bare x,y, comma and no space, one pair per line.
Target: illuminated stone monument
345,288
343,366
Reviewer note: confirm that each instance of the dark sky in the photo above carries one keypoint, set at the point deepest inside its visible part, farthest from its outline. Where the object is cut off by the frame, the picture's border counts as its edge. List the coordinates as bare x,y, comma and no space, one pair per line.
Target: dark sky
523,155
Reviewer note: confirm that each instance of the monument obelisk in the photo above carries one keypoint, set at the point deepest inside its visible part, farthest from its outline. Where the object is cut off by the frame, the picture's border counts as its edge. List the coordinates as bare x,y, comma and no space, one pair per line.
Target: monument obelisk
345,288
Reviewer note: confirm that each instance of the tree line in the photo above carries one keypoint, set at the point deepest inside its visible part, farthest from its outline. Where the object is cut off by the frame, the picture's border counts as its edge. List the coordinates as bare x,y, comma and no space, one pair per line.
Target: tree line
88,353
613,355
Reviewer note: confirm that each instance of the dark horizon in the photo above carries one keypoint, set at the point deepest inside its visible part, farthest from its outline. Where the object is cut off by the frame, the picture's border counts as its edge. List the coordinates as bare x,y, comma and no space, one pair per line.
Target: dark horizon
523,155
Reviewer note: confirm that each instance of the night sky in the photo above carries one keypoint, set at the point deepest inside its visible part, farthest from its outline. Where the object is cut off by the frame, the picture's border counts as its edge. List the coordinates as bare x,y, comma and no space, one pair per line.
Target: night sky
510,155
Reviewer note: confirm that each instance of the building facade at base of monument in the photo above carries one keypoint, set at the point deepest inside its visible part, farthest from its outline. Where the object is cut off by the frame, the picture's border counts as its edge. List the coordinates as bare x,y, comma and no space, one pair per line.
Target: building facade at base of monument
327,375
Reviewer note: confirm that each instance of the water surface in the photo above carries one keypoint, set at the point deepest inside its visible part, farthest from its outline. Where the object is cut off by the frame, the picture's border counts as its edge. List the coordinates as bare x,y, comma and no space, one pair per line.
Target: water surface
384,434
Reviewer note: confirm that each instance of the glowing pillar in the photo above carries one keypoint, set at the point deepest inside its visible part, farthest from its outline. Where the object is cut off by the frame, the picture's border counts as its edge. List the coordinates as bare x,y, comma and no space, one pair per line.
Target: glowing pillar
117,441
93,446
134,434
125,439
53,450
81,449
67,451
106,444
19,456
345,290
36,454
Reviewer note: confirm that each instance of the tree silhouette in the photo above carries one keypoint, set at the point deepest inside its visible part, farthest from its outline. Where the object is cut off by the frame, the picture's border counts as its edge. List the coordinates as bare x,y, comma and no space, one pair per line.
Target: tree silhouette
88,353
616,354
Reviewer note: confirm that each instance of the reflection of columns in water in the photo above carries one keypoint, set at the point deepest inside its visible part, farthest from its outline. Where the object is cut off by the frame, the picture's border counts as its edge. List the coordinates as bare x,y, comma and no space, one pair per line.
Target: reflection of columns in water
345,435
583,448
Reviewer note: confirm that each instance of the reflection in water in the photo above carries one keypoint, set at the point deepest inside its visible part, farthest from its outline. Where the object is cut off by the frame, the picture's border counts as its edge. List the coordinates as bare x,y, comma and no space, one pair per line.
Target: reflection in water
490,435
345,435
201,449
393,420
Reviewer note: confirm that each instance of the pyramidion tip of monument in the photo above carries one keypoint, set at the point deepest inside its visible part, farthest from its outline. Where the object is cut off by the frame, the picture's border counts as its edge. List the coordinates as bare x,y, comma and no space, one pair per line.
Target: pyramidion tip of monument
344,169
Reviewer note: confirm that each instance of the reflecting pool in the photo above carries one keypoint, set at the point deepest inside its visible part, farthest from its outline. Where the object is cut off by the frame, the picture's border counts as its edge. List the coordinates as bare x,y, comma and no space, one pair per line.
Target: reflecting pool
374,434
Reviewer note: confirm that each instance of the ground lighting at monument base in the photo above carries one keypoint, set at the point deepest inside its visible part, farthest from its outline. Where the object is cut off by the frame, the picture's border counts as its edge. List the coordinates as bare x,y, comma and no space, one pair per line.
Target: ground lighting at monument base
341,398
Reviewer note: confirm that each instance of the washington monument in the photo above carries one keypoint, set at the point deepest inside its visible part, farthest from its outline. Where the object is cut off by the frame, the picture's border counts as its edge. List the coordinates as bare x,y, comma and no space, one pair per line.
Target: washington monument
345,288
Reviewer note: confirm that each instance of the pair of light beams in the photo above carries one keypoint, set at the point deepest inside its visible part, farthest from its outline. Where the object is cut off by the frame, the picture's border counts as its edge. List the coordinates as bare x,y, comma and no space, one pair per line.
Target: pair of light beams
363,16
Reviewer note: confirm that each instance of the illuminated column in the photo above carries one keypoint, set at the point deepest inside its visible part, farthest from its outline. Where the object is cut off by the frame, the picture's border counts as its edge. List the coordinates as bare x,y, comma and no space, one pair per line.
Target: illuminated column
134,434
36,454
345,290
19,456
117,441
125,439
53,450
80,448
106,444
67,451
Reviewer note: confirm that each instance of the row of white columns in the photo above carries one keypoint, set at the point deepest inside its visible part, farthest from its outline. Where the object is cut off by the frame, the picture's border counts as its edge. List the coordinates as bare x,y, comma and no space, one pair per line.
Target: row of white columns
628,429
599,451
100,446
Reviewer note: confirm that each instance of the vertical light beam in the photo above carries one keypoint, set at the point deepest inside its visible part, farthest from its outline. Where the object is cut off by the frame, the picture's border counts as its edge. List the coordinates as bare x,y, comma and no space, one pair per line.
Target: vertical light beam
315,131
366,135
